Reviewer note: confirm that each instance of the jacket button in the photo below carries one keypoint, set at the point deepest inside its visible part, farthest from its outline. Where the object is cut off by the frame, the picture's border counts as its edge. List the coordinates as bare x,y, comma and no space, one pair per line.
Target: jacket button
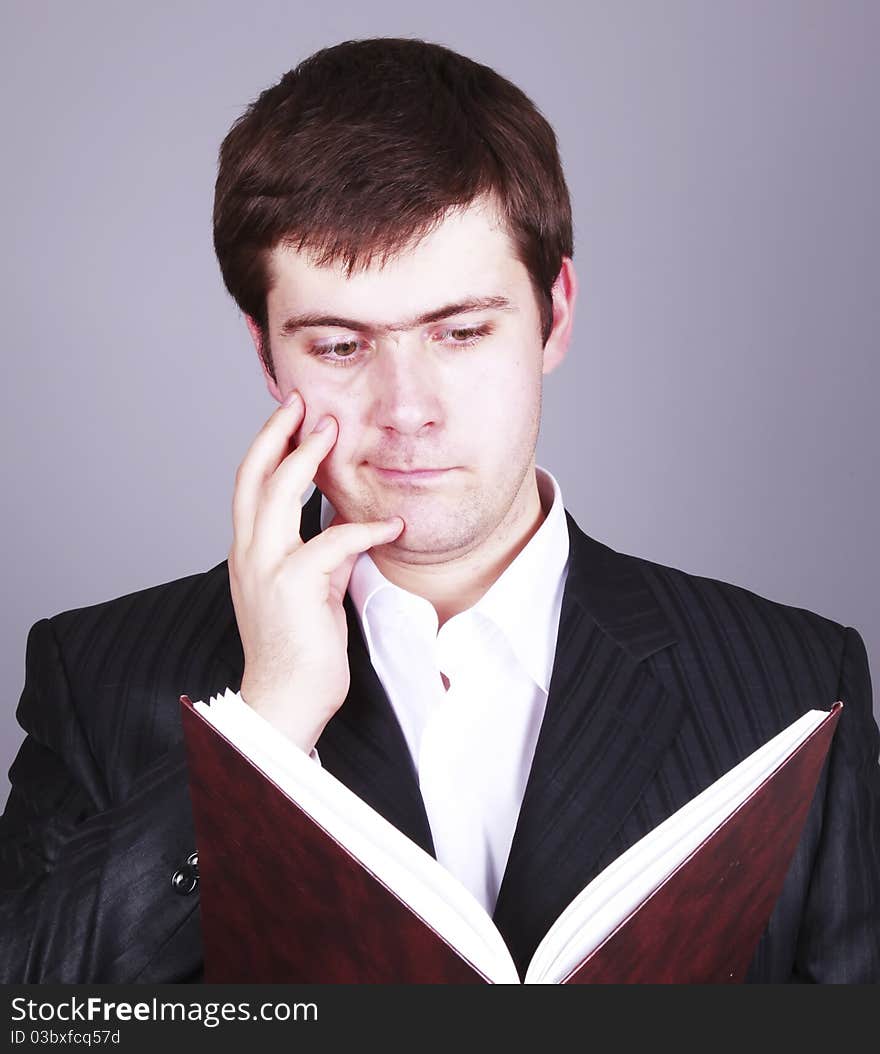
186,878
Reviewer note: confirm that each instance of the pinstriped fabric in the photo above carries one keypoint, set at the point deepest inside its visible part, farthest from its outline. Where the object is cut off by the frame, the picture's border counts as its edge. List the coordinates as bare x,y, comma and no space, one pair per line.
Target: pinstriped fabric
662,681
84,879
129,657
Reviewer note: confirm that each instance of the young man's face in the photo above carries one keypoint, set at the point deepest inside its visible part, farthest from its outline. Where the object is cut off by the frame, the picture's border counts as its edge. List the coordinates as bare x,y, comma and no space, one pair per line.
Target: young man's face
458,392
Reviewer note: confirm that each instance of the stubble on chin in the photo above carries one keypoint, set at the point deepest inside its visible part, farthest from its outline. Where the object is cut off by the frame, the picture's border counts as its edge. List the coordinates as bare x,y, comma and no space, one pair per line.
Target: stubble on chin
438,527
453,528
438,536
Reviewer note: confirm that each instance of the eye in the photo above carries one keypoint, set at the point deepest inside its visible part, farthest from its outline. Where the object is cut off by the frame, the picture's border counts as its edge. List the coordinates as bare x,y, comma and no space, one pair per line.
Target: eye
464,336
340,352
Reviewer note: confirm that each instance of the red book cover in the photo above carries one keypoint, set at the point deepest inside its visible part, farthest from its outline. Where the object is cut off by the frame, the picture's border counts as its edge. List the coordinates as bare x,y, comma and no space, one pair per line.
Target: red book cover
282,901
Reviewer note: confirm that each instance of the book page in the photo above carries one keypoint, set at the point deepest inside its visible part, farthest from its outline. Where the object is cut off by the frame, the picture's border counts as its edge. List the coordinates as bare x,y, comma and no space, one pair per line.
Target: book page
602,905
434,894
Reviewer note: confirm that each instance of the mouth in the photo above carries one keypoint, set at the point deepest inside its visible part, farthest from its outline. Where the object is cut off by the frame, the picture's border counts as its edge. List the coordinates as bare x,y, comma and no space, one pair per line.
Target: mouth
411,475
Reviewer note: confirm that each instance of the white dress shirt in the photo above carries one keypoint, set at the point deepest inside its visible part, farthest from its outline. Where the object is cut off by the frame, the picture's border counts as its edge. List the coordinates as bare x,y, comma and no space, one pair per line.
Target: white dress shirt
472,745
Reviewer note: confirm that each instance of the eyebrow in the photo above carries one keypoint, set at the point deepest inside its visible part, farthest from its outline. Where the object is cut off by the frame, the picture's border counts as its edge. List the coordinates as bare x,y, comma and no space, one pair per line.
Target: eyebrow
474,303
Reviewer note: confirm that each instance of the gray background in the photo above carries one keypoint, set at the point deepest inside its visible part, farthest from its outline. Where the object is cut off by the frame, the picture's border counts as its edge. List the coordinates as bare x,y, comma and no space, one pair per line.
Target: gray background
717,411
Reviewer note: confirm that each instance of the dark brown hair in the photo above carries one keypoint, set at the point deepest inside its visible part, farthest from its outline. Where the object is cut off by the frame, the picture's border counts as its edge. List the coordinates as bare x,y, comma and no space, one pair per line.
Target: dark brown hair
365,146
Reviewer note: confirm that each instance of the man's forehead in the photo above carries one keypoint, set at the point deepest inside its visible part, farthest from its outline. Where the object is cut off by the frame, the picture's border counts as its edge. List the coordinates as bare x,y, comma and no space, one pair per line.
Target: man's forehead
475,230
467,261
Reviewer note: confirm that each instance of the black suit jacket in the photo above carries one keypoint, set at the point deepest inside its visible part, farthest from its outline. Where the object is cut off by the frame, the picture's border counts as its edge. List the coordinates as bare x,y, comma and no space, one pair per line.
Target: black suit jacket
662,682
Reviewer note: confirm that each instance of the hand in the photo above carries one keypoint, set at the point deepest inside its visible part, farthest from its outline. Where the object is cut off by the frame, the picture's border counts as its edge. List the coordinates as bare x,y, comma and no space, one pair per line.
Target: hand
287,593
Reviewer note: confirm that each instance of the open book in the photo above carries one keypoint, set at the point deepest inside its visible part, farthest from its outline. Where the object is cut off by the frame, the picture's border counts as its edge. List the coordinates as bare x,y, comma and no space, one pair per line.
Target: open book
302,881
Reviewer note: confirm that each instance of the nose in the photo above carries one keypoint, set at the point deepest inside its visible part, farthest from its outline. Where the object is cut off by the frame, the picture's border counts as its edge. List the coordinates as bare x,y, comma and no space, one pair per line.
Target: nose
406,396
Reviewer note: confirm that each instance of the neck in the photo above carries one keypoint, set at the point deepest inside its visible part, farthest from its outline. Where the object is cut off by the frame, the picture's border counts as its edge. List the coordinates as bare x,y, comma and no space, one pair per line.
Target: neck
457,584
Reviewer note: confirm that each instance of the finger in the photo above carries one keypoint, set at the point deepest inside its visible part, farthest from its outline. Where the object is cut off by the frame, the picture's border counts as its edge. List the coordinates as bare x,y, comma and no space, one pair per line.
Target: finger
333,546
268,449
279,506
339,579
341,576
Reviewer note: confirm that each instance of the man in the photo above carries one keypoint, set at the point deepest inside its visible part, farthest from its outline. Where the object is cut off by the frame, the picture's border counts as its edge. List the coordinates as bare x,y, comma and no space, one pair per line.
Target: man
519,699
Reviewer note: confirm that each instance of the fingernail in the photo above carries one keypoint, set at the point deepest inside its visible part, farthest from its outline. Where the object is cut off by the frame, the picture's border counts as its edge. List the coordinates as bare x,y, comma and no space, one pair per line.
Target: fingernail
292,397
323,422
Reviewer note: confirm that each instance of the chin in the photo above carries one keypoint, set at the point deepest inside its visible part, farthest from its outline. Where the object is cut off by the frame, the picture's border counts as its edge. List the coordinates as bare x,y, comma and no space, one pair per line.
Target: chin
436,524
434,537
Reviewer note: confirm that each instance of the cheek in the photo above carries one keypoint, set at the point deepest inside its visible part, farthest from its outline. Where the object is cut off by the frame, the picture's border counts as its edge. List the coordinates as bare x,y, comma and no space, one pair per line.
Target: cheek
333,473
321,397
504,400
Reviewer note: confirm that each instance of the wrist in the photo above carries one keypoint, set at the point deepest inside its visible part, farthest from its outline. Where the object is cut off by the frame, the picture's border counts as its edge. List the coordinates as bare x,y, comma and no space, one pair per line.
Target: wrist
303,729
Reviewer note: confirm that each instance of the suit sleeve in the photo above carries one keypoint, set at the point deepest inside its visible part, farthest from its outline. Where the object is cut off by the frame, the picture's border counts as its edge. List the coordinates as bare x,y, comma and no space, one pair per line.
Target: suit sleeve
85,881
839,940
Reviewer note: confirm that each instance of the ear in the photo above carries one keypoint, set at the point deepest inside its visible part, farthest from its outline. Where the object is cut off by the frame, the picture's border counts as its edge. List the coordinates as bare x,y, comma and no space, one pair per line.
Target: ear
257,338
564,293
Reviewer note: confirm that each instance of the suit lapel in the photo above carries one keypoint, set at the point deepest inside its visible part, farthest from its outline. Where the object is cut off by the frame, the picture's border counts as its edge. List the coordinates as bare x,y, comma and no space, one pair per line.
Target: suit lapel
364,747
607,725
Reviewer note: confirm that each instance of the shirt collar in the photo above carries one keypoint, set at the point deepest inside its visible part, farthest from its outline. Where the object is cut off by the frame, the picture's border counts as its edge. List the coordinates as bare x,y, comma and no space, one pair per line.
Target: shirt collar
523,600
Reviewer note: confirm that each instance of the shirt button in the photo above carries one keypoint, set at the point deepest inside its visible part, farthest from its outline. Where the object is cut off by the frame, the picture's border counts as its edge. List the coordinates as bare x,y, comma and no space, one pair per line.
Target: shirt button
186,878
